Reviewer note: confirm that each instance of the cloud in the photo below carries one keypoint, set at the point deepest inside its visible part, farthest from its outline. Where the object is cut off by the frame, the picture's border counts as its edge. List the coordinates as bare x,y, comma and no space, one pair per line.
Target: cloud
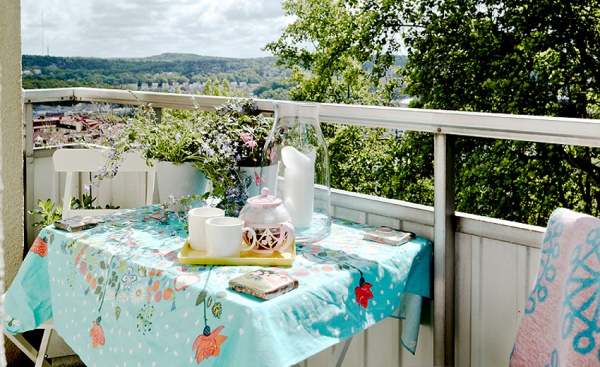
137,28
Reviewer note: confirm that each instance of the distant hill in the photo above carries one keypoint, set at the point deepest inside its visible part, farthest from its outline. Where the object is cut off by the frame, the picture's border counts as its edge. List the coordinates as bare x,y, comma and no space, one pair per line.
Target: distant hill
171,72
168,71
169,56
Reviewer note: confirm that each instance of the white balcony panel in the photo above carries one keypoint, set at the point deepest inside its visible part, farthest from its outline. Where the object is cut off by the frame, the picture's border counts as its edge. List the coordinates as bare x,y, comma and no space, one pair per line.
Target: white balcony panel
493,281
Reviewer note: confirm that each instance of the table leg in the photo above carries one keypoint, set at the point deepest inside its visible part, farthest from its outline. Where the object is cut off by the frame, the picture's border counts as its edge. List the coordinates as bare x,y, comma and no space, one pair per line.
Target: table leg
339,353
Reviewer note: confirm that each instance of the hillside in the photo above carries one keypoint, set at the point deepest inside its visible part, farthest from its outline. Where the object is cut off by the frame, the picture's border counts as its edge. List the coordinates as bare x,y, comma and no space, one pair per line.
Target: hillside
169,71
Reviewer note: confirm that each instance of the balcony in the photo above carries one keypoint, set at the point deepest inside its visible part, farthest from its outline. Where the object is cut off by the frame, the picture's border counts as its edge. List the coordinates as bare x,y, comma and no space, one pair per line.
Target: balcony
474,317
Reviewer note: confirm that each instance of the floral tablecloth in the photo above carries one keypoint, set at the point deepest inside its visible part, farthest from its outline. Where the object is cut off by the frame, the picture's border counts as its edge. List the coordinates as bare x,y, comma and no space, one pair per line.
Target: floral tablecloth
120,297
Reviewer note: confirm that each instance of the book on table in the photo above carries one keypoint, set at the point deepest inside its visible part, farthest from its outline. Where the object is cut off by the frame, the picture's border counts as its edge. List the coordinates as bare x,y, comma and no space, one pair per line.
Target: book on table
389,236
77,223
264,283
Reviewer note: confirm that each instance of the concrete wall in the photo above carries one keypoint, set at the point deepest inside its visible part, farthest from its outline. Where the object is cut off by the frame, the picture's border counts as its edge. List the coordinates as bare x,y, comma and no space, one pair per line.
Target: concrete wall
11,161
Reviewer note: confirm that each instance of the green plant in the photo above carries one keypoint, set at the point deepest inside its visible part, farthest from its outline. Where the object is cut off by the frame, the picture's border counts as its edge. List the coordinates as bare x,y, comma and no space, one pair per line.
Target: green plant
49,213
216,142
235,136
87,203
174,139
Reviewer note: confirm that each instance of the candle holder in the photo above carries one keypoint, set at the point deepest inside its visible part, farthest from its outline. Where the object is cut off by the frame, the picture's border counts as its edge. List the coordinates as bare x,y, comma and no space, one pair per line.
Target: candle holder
297,144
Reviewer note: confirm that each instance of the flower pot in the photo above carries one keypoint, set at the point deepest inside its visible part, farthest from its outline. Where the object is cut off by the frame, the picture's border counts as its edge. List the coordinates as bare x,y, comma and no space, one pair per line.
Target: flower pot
267,179
179,180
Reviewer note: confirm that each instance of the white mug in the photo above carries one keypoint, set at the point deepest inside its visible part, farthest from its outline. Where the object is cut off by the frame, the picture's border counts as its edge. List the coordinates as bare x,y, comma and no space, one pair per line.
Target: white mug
196,225
224,237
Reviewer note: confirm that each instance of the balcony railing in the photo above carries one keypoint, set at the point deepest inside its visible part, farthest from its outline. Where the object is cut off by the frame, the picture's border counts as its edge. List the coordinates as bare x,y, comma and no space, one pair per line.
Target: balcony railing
483,268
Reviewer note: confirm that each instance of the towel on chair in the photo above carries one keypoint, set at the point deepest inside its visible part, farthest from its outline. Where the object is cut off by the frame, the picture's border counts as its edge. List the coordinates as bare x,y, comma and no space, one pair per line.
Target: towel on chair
561,325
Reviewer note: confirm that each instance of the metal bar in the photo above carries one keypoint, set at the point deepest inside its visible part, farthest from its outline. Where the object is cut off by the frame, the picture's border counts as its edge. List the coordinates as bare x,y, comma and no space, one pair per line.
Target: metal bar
339,353
29,162
158,112
398,209
501,230
501,126
557,130
41,357
443,251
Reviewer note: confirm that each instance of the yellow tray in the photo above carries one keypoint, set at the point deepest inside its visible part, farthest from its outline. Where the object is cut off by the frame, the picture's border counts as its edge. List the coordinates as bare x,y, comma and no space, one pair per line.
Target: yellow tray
187,255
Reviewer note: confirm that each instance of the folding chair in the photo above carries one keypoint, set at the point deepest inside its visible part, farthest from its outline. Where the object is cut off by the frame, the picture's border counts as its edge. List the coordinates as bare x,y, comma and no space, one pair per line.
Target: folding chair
75,161
72,162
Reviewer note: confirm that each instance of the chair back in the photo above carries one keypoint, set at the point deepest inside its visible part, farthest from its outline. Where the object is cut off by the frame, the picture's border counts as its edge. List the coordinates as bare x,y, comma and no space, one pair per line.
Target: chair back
72,162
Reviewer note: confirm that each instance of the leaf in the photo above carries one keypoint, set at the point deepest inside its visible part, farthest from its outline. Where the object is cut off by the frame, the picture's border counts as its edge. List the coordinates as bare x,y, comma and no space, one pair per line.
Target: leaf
117,312
217,310
201,298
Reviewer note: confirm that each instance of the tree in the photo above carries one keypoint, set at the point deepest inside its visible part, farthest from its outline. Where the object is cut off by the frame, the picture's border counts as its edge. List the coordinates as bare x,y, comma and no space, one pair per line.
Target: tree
217,88
326,49
507,56
520,58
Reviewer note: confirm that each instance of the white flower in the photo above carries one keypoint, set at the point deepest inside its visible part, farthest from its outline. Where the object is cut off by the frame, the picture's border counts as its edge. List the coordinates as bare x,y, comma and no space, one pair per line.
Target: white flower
138,294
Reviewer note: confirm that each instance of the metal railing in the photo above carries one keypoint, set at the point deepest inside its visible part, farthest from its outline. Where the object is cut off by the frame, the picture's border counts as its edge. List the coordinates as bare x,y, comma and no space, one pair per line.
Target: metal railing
444,125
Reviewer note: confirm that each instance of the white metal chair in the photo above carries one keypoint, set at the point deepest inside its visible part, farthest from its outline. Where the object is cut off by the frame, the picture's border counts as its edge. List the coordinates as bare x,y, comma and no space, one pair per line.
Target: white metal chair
72,162
36,355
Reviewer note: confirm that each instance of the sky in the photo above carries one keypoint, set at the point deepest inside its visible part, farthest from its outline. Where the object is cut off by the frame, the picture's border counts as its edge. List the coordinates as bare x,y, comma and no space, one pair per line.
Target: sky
141,28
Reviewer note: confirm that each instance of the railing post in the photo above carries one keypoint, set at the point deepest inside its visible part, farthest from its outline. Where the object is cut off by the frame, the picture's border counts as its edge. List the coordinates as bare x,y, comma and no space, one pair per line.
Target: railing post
158,111
443,253
29,171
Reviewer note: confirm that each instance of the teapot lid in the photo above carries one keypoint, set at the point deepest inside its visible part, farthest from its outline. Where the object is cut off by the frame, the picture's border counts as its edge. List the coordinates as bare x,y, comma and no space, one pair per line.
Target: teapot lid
264,200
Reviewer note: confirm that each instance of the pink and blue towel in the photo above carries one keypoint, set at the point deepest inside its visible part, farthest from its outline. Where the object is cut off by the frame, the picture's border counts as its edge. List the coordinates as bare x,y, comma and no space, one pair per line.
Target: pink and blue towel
561,325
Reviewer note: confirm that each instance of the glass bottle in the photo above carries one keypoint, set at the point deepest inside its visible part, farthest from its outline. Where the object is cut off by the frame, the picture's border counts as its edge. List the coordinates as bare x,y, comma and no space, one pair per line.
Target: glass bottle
297,147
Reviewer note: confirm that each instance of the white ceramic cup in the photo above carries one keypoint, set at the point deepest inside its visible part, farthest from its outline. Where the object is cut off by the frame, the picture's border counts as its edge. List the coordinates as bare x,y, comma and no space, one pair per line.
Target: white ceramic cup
224,237
197,225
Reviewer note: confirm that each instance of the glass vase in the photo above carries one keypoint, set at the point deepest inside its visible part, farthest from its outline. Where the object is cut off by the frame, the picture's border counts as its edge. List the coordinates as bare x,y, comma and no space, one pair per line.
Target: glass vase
297,146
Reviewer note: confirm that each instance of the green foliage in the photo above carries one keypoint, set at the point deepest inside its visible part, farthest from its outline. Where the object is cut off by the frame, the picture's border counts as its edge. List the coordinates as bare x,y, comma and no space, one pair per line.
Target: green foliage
476,55
328,50
49,213
216,142
178,138
234,137
378,163
60,72
505,56
515,58
275,89
87,203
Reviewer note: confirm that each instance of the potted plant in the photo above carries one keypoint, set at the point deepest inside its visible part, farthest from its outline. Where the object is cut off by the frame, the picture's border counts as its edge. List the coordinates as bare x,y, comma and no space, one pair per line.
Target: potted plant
216,143
173,145
235,137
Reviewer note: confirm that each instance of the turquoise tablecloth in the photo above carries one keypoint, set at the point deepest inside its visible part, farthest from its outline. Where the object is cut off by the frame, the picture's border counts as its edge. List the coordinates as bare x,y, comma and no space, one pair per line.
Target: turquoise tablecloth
120,297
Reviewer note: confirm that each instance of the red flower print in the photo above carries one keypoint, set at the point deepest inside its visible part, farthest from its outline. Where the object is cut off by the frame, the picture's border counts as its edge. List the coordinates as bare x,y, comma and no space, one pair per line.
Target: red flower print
97,334
363,293
208,344
39,247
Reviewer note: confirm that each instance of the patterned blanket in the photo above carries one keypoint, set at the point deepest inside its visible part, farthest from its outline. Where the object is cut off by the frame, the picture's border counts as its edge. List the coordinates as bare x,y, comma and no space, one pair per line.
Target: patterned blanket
561,325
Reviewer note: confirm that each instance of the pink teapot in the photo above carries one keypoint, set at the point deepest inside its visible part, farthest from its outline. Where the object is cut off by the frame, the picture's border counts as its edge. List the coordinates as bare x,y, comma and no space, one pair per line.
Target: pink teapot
270,220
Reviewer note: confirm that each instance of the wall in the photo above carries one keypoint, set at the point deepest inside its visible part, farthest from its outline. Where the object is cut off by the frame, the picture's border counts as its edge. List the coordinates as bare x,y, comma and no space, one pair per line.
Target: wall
11,162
